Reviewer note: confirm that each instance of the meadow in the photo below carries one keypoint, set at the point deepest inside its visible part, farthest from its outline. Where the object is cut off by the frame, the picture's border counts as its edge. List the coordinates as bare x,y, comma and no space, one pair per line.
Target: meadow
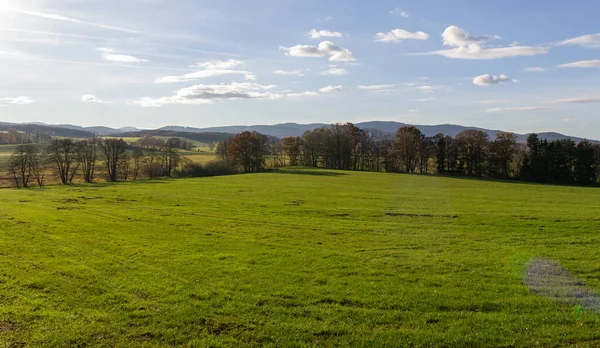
296,257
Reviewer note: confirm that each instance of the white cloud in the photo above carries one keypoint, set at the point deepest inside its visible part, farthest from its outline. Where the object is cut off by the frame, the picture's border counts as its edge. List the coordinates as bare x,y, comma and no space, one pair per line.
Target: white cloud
325,48
589,41
428,89
534,69
219,64
317,34
110,55
488,80
425,99
90,98
332,89
204,74
412,111
375,87
467,46
291,72
206,94
520,109
17,100
582,64
494,101
398,12
458,37
397,35
211,69
335,71
302,94
71,20
581,100
481,52
13,54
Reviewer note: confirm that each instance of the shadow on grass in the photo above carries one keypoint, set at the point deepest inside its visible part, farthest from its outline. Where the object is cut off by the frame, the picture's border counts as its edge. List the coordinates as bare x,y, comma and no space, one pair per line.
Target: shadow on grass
316,172
549,279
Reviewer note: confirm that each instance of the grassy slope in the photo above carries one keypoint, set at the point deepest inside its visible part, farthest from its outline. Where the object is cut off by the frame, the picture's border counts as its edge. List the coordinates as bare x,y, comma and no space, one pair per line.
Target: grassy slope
278,259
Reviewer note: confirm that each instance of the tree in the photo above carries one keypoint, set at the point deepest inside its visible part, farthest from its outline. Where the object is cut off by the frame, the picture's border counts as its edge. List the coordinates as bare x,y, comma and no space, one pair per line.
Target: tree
292,147
473,145
247,151
441,154
63,154
502,151
170,155
114,152
427,150
24,165
276,153
315,143
521,153
585,166
534,168
561,159
137,161
221,148
87,155
408,144
341,146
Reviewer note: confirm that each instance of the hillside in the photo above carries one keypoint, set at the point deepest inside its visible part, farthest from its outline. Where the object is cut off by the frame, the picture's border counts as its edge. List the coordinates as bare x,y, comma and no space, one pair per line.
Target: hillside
295,129
45,129
277,130
98,130
204,137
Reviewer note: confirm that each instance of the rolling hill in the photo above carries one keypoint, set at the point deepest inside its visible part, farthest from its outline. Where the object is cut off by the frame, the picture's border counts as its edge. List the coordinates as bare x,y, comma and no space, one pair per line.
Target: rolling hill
294,129
280,130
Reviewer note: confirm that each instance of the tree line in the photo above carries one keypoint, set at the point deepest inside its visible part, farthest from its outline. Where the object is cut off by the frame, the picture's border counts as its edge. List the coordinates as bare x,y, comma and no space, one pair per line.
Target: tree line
12,136
339,146
470,153
117,160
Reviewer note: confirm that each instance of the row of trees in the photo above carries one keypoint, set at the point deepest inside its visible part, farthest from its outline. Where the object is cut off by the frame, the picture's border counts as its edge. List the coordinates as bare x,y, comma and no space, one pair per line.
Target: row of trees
470,153
68,158
13,136
149,142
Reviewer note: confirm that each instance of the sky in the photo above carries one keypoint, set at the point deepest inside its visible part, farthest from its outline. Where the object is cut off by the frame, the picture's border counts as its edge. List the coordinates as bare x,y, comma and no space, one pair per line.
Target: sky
520,66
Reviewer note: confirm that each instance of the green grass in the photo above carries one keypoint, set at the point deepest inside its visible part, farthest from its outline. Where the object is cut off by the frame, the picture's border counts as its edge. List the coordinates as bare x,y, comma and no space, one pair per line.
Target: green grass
295,258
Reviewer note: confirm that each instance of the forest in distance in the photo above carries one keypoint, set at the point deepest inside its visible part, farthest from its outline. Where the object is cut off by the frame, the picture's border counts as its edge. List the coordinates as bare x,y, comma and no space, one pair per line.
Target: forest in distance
339,146
470,153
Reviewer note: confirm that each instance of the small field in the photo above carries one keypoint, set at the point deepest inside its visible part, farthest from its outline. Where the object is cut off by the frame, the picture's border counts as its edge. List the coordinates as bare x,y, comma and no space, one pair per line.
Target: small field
297,257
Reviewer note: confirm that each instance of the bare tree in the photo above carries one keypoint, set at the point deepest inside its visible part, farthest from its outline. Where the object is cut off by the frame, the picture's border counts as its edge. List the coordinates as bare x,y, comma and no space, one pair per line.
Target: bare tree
170,156
87,155
137,160
63,154
114,151
22,165
408,142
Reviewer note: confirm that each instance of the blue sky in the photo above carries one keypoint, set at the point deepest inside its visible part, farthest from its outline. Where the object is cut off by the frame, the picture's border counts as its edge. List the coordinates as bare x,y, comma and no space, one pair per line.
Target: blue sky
521,66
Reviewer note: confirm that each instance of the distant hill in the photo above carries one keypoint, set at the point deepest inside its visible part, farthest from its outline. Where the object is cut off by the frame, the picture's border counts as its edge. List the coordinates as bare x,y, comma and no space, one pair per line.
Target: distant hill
37,128
281,130
203,137
294,129
97,130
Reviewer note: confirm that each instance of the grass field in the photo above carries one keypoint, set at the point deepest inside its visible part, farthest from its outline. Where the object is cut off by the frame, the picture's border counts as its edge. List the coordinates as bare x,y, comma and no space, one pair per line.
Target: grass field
294,258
